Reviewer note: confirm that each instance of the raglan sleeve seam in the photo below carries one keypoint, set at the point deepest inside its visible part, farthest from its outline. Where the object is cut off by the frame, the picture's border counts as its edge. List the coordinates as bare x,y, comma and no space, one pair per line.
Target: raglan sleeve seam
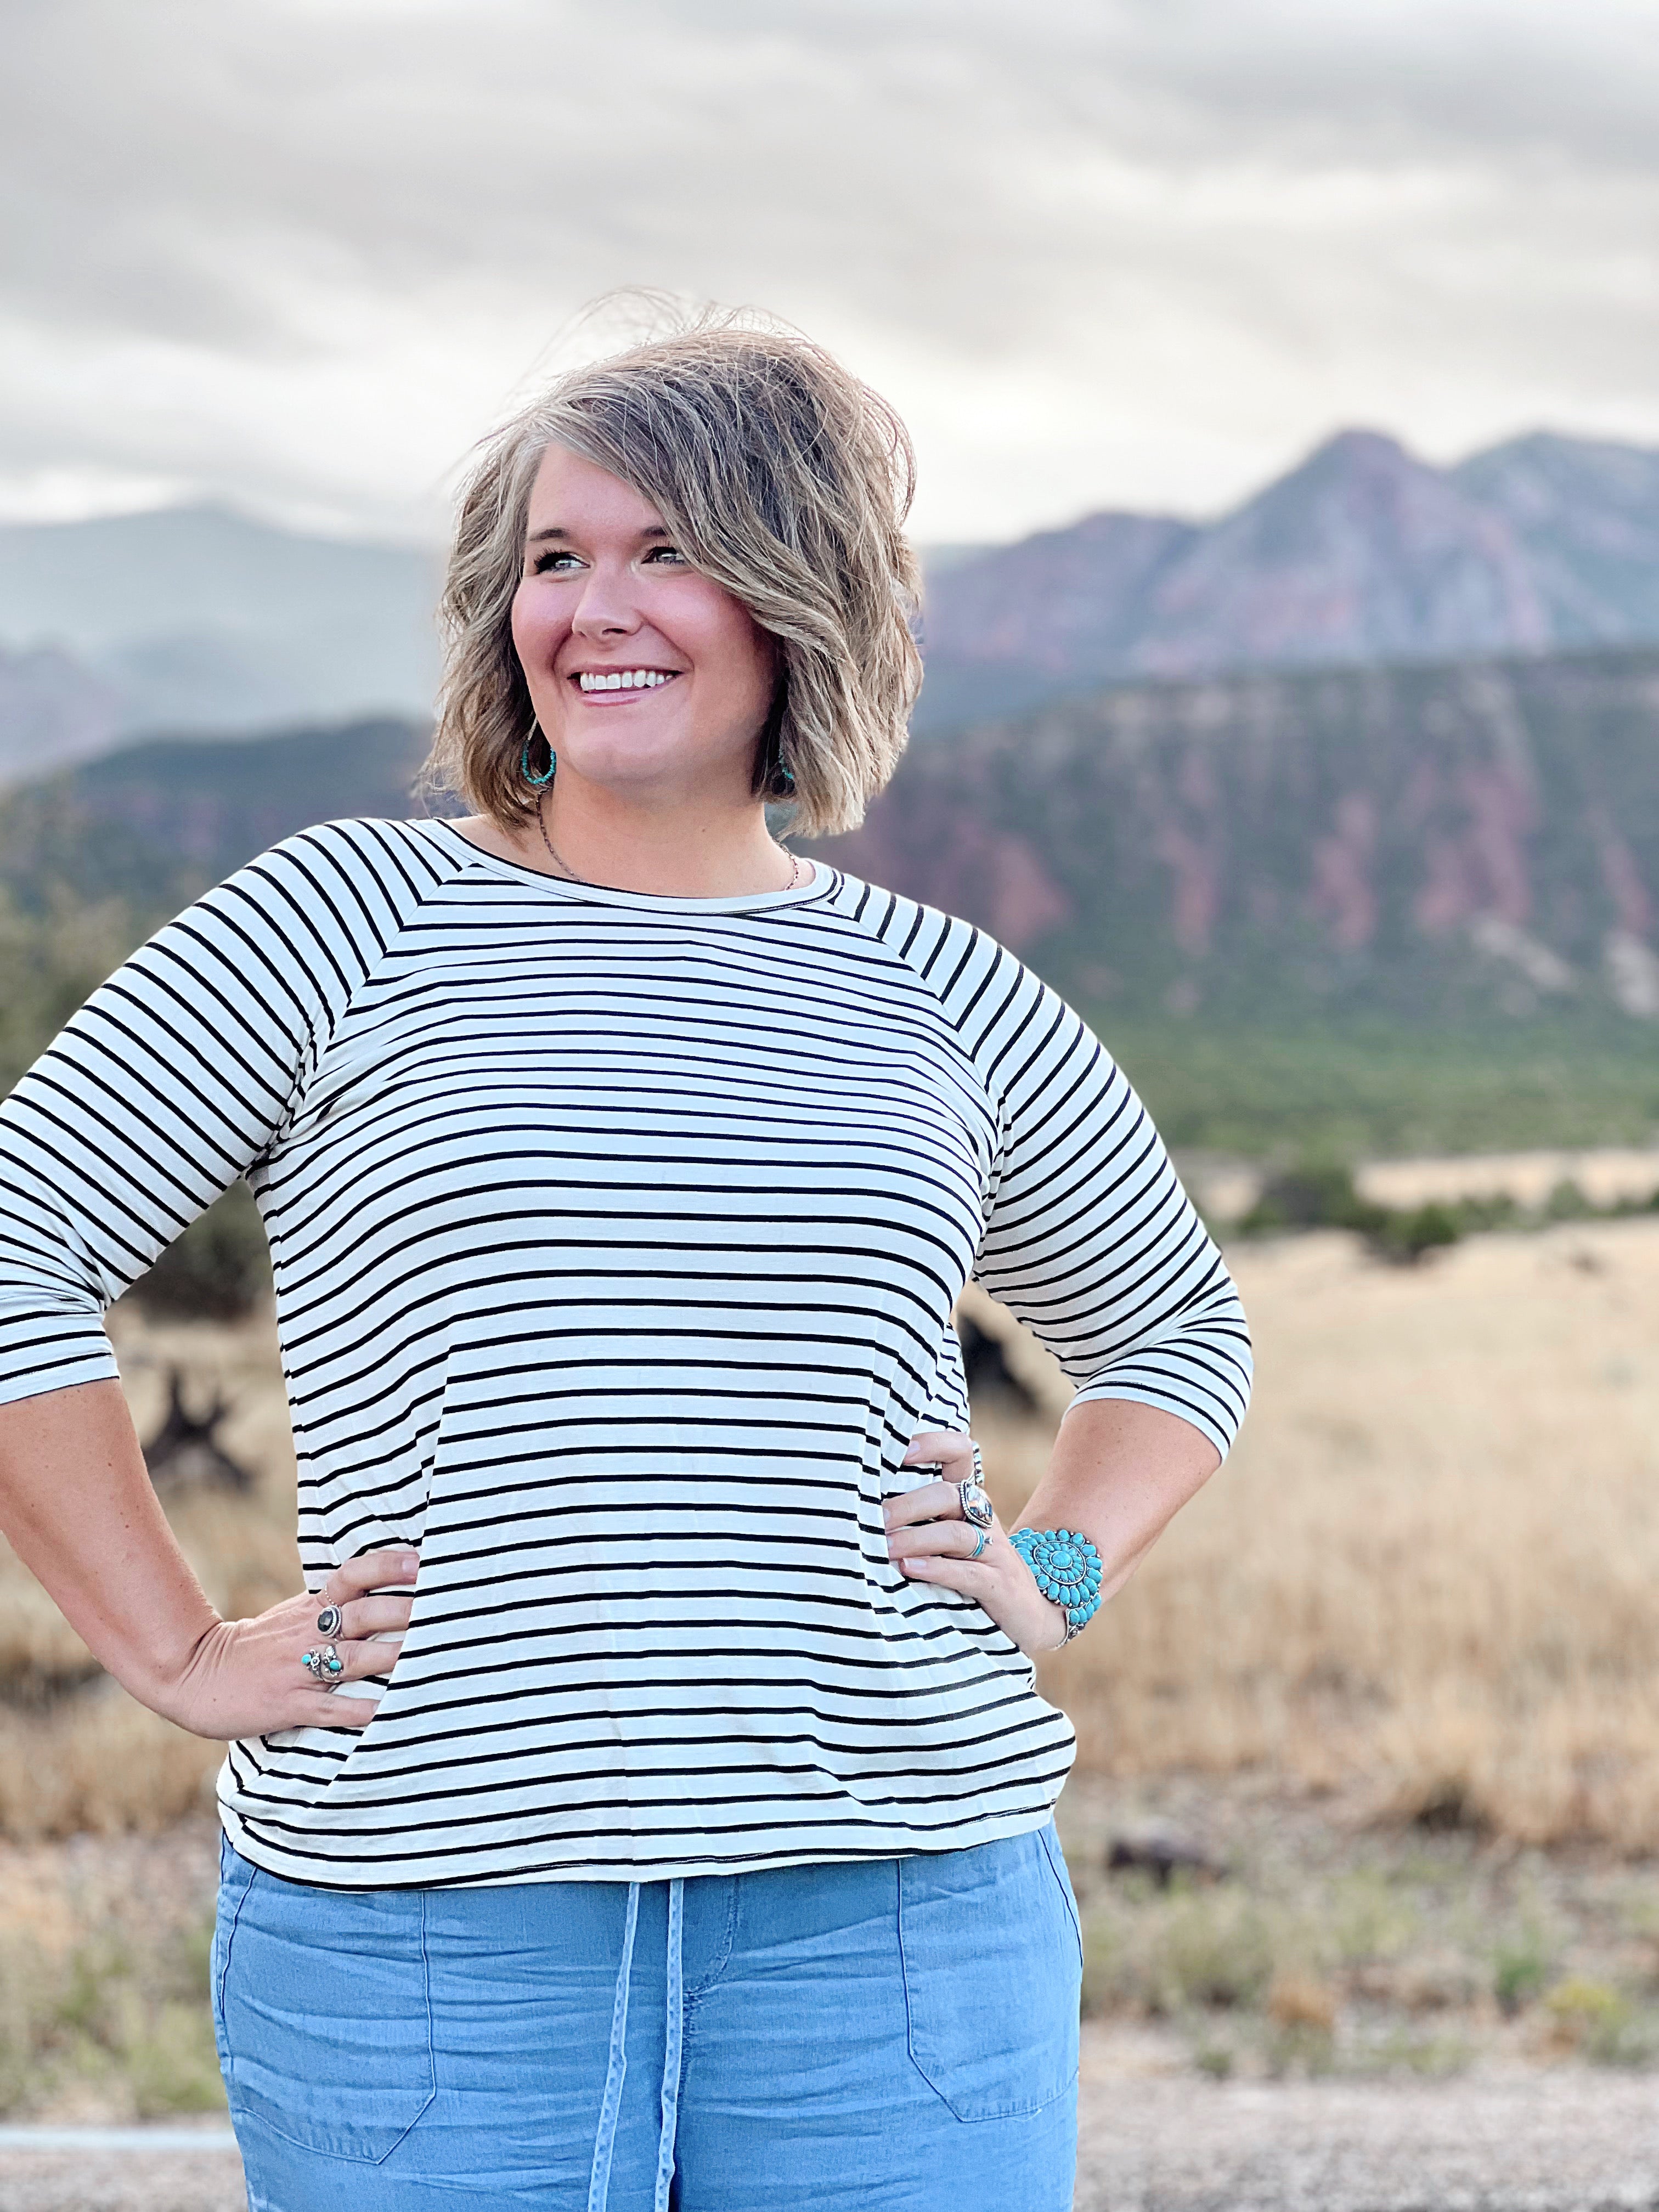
175,1078
1115,1272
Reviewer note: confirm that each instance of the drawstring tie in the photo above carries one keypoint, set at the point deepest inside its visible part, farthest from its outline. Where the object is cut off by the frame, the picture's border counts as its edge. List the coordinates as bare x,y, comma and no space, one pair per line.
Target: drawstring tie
604,2143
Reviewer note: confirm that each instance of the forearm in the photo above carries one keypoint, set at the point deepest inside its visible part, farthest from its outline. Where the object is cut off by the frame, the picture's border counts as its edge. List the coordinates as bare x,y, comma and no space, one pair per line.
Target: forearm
77,1507
1119,1473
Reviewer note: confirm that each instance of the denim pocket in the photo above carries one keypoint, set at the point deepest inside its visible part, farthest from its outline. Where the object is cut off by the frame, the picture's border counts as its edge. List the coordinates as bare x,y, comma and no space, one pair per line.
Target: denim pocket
991,1963
234,1875
324,2012
1057,1867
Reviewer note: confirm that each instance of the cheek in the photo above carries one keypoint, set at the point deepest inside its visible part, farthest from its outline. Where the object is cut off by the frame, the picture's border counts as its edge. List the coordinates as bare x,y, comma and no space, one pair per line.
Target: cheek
537,633
742,651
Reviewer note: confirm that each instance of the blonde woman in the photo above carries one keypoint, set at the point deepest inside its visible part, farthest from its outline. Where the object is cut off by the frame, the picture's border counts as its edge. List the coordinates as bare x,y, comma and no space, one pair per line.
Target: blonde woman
650,1801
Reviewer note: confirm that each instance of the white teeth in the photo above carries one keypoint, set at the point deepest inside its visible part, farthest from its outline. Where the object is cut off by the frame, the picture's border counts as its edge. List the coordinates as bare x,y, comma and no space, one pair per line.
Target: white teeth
624,679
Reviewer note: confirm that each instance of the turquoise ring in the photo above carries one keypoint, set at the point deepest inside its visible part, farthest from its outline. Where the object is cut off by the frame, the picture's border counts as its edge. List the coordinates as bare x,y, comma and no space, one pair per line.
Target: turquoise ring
324,1665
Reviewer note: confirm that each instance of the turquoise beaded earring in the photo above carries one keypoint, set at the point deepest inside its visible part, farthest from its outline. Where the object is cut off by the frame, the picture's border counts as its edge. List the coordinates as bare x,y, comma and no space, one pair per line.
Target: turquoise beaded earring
538,782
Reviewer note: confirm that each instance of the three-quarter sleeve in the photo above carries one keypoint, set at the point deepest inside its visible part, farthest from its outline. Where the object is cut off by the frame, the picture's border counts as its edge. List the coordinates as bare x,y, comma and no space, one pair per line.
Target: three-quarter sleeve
1091,1239
168,1086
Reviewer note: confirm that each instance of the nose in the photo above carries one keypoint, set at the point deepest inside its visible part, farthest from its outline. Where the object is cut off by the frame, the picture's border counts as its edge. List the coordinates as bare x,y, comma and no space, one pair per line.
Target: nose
606,607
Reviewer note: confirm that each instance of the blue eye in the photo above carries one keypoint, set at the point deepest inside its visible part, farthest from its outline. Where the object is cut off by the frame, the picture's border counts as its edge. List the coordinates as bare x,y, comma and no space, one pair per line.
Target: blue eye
665,553
553,562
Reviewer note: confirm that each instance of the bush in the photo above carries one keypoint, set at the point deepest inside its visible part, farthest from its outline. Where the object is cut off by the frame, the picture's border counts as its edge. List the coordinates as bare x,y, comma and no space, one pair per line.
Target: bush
124,2012
1520,1970
1320,1194
1408,1237
1598,2022
1176,1950
218,1270
1315,1195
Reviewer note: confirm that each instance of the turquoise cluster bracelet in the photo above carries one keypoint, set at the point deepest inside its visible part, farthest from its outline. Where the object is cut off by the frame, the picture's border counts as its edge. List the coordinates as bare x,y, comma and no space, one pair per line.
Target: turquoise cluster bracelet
1067,1569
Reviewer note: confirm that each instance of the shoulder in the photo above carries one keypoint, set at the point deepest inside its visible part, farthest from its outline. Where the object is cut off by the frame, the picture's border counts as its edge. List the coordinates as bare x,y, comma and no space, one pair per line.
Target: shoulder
975,979
388,867
423,851
325,902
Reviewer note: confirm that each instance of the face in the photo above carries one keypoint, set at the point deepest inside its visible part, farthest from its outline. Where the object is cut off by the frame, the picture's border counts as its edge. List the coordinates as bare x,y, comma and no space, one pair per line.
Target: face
645,676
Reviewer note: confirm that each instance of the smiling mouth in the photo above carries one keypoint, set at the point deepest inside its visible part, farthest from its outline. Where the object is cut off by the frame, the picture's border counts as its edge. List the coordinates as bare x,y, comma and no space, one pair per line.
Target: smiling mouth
637,680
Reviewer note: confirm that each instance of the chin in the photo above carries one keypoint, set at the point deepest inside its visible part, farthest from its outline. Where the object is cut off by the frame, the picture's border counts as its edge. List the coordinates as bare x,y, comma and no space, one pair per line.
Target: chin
641,764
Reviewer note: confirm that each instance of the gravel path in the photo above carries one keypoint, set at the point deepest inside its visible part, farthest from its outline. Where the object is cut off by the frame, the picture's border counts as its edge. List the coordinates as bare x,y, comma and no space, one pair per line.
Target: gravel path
120,2180
1567,2141
1562,2141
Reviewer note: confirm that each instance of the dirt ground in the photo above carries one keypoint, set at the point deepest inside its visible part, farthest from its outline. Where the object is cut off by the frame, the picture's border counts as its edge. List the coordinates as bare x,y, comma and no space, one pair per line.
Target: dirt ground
1447,2075
1573,2141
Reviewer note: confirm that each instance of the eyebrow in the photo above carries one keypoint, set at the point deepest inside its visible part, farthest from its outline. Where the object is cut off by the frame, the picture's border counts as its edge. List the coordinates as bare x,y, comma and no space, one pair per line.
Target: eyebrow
542,537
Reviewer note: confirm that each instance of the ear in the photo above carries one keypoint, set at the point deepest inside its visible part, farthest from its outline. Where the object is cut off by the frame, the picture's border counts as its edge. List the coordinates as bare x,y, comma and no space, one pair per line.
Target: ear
773,779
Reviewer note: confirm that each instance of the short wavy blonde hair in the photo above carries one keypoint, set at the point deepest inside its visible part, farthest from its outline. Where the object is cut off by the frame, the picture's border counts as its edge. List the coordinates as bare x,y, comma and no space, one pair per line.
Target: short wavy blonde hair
777,473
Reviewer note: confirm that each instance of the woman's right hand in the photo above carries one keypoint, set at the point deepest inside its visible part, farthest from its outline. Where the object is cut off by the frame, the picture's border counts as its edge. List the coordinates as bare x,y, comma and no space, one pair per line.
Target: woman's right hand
245,1677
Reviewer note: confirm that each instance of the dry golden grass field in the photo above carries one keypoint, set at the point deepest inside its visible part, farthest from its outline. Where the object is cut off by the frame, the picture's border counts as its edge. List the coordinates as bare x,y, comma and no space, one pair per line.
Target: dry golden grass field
1394,1670
1429,1575
1431,1569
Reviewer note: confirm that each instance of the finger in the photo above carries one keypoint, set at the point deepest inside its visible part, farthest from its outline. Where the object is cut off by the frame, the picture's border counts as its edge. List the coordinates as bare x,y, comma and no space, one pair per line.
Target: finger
946,1540
949,1448
369,1572
357,1660
976,1579
362,1660
371,1616
319,1708
931,1501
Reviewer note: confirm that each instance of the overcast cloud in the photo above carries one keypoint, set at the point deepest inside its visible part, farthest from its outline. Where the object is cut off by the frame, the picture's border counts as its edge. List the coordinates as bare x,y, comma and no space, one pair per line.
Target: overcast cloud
297,253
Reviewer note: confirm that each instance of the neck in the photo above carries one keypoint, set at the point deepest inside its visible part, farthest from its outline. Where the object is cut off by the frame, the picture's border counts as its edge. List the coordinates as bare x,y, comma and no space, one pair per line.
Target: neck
677,851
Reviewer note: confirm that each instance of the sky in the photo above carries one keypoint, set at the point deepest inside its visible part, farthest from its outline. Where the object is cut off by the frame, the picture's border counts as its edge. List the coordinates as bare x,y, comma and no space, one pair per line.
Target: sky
297,255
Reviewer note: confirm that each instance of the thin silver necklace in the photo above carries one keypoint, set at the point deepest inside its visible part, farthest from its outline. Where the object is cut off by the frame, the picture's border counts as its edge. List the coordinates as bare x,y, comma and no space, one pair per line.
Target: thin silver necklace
566,870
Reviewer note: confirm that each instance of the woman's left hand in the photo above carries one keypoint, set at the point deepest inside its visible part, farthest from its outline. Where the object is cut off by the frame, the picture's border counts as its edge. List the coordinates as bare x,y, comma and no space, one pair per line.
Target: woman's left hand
929,1540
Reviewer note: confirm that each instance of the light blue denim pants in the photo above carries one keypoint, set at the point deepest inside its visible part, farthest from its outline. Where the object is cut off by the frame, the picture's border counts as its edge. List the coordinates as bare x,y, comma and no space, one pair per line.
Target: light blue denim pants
899,2036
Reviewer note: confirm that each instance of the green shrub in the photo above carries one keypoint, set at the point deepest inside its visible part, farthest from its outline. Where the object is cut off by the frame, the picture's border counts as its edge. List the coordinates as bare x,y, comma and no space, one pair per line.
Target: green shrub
1317,1193
1520,1970
1182,1950
1566,1202
218,1270
122,2010
1408,1236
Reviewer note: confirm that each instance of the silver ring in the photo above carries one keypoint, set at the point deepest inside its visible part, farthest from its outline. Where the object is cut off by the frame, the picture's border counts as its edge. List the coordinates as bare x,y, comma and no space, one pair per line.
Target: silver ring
984,1539
330,1621
324,1665
976,1507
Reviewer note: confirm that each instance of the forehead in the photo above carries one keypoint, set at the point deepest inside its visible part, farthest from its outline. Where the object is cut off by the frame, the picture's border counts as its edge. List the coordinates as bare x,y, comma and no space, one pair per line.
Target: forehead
574,494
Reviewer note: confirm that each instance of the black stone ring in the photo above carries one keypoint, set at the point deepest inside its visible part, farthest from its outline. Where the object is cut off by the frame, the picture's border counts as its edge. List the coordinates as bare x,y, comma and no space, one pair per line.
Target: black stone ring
329,1621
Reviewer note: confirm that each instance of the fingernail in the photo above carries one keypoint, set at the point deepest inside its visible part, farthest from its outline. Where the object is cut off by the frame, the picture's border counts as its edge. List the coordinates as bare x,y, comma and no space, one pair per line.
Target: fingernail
411,1563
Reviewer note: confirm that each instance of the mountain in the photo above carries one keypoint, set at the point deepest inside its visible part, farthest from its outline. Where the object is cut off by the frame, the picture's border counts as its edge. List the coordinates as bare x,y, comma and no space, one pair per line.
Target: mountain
199,618
1362,554
1432,844
1587,516
158,822
52,710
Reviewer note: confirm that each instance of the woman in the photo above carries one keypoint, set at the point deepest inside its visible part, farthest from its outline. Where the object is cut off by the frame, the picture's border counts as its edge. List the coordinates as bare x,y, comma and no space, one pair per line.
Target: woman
621,1171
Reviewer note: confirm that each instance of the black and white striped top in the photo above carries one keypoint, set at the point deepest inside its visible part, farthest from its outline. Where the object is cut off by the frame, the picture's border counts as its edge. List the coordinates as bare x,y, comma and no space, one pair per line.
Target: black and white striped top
616,1241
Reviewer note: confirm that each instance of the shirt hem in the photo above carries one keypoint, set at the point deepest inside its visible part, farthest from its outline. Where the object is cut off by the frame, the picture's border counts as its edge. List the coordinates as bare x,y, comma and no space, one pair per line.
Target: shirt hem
893,1843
